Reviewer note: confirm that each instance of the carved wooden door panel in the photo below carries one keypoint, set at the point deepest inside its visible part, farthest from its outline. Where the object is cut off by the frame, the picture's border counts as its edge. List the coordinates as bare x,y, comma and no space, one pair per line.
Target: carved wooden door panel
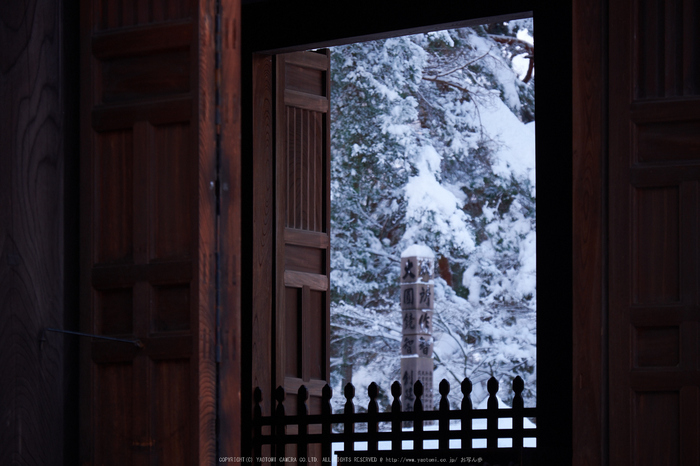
654,262
149,231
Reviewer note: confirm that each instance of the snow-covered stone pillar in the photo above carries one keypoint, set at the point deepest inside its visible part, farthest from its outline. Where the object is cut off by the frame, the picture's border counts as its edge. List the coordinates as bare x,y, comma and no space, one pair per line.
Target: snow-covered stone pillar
417,265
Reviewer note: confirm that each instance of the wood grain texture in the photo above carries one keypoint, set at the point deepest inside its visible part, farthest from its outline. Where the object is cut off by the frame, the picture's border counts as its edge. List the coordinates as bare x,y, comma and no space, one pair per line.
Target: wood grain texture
34,122
203,374
229,379
589,401
263,223
280,321
150,235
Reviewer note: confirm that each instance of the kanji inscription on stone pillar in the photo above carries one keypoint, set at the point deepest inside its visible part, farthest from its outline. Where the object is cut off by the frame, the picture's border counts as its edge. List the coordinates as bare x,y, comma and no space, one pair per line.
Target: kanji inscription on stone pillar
417,304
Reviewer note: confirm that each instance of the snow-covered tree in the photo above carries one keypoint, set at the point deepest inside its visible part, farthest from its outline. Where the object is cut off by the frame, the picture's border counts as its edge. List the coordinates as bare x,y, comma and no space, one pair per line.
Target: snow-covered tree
433,143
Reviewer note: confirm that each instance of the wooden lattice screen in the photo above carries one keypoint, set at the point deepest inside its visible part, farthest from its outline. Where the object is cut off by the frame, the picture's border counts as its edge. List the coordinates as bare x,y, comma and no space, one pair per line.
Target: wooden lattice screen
283,436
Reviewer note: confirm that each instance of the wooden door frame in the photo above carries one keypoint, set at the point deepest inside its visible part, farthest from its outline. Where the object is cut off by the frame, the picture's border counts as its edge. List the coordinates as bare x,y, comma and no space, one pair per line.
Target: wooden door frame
590,232
286,29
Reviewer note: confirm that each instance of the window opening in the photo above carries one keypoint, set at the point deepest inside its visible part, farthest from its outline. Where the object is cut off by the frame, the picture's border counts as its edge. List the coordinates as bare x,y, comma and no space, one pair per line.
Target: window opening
433,143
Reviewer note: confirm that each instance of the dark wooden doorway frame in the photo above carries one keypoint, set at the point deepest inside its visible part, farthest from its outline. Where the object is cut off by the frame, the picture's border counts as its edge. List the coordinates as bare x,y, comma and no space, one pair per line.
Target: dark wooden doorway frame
283,28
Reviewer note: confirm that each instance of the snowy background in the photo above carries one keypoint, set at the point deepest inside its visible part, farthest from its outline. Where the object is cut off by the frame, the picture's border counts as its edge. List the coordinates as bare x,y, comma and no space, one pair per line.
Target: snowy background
433,143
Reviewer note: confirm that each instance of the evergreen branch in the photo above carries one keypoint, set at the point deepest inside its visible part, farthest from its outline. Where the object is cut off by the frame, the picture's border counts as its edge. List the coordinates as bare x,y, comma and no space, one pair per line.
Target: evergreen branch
520,43
447,368
457,340
368,334
436,79
382,254
514,41
463,89
439,75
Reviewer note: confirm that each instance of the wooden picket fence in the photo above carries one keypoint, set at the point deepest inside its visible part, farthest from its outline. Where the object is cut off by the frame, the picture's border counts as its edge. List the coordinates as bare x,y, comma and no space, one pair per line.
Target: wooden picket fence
279,433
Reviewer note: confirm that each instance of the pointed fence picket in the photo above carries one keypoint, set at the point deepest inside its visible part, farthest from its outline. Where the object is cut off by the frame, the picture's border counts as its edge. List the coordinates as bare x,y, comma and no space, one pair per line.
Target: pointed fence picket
278,433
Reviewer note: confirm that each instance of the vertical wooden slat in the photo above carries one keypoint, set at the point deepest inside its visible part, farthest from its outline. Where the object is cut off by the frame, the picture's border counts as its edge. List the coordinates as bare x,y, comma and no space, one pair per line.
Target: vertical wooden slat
396,391
418,413
349,426
303,331
313,206
279,426
203,307
690,425
112,13
491,418
691,48
263,280
670,43
128,13
282,207
444,421
299,184
326,411
372,426
518,405
290,171
310,181
143,12
622,91
674,48
466,414
303,427
588,210
230,390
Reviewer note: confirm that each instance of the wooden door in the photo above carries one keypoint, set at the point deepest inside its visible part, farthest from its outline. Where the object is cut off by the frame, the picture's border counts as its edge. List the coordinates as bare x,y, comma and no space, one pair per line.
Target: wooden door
291,302
150,259
654,262
303,223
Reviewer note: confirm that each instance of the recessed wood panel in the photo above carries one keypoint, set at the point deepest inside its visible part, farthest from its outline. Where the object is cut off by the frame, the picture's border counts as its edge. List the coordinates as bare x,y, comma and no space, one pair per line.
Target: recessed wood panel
667,46
173,186
657,249
292,365
305,169
668,142
114,177
304,259
310,81
314,331
113,414
657,346
110,14
171,308
136,77
115,311
172,424
656,428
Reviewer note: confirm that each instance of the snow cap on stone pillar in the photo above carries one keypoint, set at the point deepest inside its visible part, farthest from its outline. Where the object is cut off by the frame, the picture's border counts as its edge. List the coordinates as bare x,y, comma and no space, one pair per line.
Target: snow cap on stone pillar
417,264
